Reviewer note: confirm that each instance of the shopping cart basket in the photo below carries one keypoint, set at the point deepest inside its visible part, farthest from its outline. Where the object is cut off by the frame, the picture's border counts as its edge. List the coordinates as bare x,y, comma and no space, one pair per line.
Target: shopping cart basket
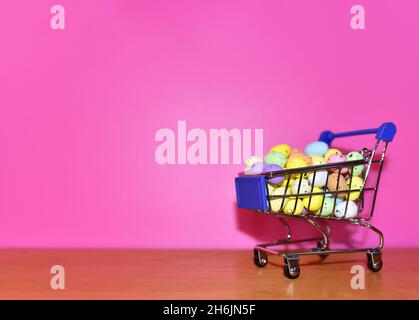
253,192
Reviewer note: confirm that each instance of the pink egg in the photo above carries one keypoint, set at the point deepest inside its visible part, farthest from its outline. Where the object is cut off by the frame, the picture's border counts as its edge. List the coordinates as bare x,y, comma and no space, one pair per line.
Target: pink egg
336,158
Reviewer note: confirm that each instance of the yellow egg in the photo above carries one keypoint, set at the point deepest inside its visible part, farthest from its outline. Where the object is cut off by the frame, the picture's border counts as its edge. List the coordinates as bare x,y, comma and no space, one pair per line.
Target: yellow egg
284,183
296,162
283,148
317,160
355,184
278,203
271,188
316,200
294,207
289,191
330,152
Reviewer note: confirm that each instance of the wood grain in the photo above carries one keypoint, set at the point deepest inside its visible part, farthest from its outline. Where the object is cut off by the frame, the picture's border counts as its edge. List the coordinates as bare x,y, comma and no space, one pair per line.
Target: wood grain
209,274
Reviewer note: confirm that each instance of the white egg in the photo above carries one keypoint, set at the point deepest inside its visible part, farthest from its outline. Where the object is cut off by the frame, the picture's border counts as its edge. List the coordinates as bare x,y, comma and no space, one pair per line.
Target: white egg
251,161
304,186
319,180
351,211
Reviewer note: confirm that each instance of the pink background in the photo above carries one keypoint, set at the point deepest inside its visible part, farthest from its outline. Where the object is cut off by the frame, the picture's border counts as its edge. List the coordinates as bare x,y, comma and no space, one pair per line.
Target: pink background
79,110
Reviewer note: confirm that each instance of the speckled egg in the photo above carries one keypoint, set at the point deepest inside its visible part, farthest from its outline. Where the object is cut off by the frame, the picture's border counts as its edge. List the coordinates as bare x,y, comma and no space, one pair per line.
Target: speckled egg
307,159
313,202
251,161
275,157
294,206
318,178
271,188
316,147
336,158
256,168
296,162
330,152
296,153
285,183
300,186
355,183
332,196
283,148
270,168
346,209
277,204
317,160
337,182
327,208
354,155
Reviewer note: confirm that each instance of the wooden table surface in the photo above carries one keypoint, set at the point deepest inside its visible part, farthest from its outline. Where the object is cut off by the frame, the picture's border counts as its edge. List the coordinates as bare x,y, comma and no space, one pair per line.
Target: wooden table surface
209,274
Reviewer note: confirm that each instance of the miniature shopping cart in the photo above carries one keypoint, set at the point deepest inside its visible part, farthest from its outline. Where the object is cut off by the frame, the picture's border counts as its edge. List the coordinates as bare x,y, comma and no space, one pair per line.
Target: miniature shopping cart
253,192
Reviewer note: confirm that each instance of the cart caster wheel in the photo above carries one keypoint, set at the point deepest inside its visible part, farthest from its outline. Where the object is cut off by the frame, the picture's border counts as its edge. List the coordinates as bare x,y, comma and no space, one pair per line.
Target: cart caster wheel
292,267
319,246
260,258
375,263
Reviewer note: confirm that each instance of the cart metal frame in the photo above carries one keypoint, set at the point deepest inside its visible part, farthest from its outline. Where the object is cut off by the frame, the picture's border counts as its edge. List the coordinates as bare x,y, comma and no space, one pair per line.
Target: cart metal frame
253,193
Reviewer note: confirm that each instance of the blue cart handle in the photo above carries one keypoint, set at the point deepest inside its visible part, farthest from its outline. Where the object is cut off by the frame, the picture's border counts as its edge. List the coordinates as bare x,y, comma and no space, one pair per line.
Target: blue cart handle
385,132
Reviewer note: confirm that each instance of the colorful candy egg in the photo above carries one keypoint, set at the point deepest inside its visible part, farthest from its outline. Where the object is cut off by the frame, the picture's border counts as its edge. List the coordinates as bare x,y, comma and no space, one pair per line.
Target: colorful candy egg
278,203
336,158
287,184
250,162
356,170
271,168
317,160
300,186
332,196
318,178
271,188
316,147
327,208
283,148
337,182
295,162
296,153
256,168
307,159
355,183
346,209
294,206
313,202
330,152
275,157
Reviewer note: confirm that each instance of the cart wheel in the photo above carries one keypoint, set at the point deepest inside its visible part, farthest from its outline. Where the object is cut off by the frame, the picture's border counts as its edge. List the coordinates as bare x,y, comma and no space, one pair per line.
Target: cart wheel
260,258
375,263
292,267
319,246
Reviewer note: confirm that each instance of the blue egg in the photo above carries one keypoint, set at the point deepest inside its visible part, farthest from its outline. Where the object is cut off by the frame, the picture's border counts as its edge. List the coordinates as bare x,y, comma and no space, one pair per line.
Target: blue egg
316,147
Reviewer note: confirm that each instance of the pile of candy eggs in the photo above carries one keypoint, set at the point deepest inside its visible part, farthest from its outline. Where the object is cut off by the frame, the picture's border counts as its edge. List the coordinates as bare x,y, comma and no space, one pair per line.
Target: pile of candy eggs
320,185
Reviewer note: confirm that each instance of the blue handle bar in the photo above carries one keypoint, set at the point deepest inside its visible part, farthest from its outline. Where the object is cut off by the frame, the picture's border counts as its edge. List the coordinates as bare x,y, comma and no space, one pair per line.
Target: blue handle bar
385,132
